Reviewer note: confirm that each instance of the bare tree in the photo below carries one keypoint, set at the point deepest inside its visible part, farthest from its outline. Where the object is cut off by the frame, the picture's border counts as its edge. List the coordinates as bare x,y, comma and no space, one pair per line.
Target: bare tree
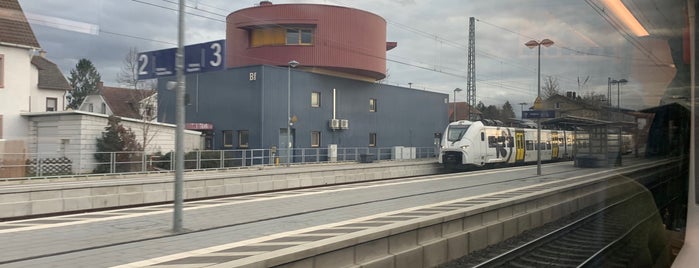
144,96
128,75
550,87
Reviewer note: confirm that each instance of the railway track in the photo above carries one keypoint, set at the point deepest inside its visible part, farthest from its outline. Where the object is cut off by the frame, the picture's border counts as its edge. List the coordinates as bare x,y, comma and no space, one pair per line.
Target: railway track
609,237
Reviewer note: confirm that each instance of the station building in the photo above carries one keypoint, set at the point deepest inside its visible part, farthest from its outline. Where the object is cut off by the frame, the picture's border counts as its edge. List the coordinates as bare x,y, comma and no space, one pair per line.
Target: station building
314,66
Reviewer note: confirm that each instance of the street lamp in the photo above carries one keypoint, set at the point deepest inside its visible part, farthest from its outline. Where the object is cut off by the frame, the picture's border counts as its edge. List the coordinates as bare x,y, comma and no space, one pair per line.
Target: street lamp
292,64
618,116
533,44
618,85
521,107
455,90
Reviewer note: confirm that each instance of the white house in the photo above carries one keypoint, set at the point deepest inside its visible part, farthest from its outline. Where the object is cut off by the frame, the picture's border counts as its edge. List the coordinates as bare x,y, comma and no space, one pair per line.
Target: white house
28,83
123,102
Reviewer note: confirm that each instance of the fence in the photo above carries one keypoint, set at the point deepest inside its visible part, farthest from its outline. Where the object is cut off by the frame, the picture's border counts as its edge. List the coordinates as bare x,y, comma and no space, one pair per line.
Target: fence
47,165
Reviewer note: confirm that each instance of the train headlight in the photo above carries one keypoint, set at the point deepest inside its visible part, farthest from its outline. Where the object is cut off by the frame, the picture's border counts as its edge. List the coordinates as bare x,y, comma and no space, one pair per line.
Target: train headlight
464,147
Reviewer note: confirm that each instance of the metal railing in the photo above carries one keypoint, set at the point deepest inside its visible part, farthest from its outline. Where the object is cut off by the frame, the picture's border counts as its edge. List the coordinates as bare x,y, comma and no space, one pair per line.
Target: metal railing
20,165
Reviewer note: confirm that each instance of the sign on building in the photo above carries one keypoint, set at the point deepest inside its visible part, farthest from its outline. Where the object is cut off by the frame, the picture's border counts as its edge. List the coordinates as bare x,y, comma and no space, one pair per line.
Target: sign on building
203,57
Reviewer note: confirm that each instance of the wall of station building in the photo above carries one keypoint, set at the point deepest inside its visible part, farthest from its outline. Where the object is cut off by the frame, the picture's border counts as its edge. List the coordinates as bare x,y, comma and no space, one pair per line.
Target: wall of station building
254,99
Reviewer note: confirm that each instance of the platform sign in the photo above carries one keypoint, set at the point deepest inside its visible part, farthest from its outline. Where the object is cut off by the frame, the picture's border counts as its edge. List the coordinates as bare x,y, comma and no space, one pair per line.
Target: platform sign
538,114
203,57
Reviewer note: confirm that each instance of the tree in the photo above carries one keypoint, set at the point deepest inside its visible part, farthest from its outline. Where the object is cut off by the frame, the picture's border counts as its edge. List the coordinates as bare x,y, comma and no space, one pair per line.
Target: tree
128,75
550,87
491,112
480,106
507,112
143,93
118,140
83,80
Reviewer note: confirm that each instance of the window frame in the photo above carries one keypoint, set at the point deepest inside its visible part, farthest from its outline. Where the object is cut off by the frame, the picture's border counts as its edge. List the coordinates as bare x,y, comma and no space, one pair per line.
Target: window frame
315,139
372,105
2,70
227,138
317,102
373,140
243,139
55,104
298,33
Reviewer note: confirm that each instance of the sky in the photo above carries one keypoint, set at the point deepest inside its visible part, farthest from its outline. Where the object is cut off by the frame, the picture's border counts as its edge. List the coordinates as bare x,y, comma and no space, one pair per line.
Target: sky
432,39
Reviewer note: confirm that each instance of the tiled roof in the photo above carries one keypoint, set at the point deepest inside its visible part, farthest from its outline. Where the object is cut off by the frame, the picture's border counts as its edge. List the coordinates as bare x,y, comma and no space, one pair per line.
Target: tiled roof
462,110
124,102
50,77
14,28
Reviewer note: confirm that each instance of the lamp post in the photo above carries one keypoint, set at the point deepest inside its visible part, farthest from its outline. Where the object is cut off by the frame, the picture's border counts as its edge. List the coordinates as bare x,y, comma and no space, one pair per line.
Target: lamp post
533,44
292,64
618,99
521,107
455,90
618,116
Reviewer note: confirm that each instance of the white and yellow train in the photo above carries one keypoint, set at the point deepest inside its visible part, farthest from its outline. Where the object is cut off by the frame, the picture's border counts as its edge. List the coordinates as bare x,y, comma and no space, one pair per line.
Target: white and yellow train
472,144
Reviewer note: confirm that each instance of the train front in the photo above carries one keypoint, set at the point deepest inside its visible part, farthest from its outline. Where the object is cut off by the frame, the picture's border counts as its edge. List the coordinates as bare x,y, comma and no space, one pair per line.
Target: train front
455,145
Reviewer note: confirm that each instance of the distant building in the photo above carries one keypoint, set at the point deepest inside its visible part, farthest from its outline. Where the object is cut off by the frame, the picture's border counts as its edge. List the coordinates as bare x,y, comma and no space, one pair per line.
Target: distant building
122,102
461,110
573,105
334,93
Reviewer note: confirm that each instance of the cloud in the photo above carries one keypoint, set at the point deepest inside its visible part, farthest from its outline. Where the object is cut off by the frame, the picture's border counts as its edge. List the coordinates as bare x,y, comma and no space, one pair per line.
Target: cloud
432,40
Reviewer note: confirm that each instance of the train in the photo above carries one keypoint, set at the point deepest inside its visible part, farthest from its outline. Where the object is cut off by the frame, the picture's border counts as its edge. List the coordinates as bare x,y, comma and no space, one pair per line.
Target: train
476,144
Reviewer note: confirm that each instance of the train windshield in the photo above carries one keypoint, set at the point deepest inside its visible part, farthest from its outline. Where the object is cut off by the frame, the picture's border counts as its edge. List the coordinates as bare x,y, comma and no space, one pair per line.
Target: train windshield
456,132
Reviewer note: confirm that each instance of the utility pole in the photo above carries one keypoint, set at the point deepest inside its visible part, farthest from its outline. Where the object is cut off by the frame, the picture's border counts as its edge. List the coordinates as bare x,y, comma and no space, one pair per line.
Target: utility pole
471,76
179,134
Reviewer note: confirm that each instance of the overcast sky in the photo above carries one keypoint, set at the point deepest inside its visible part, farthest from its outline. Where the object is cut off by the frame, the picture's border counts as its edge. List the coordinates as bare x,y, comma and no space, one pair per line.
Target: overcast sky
432,41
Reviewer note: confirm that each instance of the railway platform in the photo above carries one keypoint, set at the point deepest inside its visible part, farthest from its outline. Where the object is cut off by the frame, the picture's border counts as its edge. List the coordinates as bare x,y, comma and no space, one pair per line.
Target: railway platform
374,223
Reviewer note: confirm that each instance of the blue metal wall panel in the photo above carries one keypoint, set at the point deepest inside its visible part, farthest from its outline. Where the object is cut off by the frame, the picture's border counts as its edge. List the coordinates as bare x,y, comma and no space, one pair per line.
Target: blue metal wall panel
231,101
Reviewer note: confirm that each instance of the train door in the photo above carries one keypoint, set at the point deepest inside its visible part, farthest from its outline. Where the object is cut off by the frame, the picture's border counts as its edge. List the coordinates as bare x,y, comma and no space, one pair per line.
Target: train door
519,146
554,145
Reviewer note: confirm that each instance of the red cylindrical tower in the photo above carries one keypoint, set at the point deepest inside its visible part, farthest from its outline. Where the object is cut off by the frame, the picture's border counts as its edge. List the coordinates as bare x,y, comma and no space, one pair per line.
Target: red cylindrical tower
324,39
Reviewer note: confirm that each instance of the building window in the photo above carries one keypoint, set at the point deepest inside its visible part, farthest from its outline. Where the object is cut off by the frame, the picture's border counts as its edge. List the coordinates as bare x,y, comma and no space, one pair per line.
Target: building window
243,138
149,111
315,99
372,139
51,104
90,107
315,138
228,138
271,36
2,70
557,105
103,108
299,36
372,105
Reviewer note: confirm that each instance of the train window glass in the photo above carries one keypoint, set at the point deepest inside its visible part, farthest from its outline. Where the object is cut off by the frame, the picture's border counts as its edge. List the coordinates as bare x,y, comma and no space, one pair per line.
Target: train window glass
492,141
482,136
510,142
548,145
530,145
455,133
